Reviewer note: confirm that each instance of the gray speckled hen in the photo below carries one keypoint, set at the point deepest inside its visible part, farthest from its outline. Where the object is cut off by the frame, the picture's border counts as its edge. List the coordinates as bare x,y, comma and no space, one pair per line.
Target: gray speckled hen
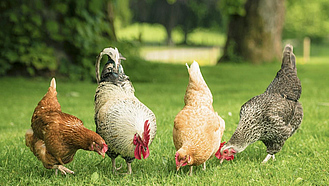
273,116
126,124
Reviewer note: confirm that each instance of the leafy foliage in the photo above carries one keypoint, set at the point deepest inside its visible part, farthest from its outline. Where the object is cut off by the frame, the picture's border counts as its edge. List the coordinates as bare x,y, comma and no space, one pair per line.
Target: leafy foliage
202,14
236,7
186,15
53,36
306,18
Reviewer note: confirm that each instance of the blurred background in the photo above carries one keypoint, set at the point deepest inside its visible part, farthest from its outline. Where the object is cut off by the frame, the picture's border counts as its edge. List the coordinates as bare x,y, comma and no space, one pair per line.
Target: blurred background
63,38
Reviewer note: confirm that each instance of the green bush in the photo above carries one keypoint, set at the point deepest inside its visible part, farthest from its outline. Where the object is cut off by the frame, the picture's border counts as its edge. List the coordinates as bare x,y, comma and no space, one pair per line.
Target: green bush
53,37
306,19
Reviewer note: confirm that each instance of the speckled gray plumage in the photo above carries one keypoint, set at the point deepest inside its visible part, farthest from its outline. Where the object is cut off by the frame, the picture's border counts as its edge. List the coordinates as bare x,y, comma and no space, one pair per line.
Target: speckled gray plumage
273,116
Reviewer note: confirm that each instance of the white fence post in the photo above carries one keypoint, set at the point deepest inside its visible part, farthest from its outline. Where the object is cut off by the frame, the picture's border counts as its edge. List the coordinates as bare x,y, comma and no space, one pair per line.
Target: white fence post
306,49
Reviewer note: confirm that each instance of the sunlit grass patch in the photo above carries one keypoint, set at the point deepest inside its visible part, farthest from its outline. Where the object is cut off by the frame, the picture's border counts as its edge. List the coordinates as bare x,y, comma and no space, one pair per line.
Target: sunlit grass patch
182,55
302,160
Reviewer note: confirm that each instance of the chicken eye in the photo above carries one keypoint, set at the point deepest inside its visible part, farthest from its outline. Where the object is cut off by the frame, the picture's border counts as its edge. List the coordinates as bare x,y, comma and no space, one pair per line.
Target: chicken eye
225,151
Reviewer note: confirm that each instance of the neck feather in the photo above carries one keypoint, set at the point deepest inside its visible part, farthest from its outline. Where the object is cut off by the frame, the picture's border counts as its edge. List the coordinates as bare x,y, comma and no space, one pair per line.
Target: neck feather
81,138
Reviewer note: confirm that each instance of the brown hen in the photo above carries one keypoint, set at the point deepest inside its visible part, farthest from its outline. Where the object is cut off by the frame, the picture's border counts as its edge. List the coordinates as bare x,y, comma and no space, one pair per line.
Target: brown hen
56,136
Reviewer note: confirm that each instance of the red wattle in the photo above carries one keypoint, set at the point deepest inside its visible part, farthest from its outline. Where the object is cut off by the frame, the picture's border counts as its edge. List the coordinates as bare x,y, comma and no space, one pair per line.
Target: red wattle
218,154
105,148
230,158
176,159
145,153
137,152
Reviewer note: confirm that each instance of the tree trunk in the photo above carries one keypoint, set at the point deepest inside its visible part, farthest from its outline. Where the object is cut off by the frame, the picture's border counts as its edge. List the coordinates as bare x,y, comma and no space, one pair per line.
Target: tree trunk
256,37
185,30
111,17
169,42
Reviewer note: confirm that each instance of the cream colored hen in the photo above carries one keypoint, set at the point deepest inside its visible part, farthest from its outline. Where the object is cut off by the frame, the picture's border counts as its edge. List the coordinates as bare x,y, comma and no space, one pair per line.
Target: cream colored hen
198,129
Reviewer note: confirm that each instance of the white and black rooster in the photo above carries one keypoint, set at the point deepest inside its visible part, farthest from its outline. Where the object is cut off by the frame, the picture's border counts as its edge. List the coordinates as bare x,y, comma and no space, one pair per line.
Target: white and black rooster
126,124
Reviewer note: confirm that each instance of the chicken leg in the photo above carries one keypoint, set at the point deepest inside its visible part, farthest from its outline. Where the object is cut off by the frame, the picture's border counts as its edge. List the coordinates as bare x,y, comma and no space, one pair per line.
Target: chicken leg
129,171
269,156
191,171
129,168
114,167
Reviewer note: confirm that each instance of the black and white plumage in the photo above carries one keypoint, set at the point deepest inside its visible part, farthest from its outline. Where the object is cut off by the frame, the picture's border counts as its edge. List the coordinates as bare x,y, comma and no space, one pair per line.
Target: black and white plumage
126,124
273,116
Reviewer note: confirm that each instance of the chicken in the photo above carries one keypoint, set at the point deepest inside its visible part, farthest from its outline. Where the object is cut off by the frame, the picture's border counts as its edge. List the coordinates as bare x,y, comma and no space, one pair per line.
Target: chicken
273,116
56,136
198,129
126,124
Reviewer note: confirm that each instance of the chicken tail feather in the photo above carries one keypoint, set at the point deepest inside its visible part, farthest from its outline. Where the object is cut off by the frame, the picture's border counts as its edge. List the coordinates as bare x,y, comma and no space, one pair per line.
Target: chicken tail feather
187,66
53,83
288,58
112,53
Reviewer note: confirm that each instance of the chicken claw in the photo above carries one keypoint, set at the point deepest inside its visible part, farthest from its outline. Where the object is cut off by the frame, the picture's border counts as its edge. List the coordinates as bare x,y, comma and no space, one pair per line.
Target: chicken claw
129,170
63,169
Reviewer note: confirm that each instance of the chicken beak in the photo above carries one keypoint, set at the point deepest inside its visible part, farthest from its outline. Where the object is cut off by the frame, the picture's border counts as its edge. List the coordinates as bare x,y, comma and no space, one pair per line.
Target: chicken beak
221,161
179,166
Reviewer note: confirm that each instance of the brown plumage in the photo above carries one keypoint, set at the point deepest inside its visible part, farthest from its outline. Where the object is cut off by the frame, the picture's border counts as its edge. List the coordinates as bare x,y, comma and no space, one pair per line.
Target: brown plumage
56,136
198,129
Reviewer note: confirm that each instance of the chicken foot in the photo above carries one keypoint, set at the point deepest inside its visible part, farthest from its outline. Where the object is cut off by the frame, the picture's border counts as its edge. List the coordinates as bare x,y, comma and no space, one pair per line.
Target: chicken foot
269,156
63,169
191,169
114,167
129,171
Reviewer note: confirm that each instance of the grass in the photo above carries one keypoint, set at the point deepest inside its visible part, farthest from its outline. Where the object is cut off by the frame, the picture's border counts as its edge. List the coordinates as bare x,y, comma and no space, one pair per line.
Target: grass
303,159
181,54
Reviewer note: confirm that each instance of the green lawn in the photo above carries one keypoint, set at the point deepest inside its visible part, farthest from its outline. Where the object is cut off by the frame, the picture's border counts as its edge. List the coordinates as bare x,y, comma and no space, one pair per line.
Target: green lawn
303,159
